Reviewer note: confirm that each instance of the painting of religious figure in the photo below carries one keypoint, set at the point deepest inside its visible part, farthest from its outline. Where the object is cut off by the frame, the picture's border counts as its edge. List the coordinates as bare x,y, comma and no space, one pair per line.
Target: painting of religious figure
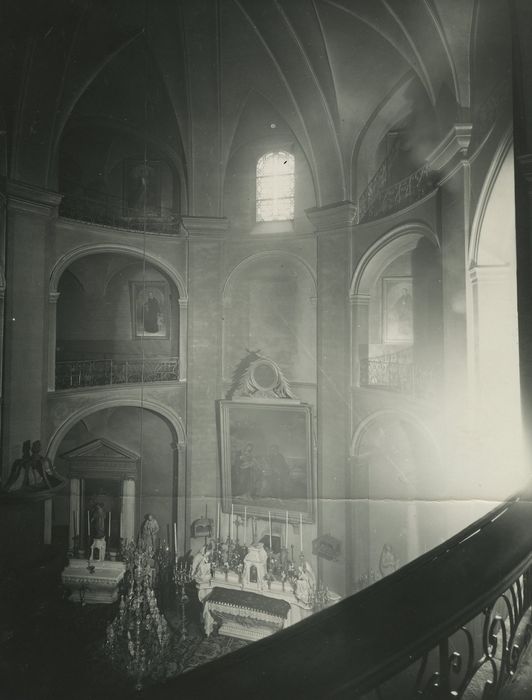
142,185
397,326
266,458
150,309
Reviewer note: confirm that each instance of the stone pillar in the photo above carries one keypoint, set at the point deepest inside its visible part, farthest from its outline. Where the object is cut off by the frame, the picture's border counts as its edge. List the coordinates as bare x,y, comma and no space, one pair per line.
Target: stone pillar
448,160
75,507
128,510
183,335
333,226
199,472
359,334
53,298
48,521
29,219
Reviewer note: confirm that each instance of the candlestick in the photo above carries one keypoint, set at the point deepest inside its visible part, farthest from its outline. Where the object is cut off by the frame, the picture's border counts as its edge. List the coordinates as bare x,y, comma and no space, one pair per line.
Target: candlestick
270,519
109,525
245,524
286,532
300,532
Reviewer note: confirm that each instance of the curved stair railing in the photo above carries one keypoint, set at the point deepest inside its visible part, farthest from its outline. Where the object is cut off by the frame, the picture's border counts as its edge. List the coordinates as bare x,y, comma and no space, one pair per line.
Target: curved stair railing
451,624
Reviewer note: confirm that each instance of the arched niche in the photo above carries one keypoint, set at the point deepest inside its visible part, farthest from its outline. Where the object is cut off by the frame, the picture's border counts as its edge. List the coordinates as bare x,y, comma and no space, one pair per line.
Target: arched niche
269,304
493,353
125,456
396,301
396,476
109,283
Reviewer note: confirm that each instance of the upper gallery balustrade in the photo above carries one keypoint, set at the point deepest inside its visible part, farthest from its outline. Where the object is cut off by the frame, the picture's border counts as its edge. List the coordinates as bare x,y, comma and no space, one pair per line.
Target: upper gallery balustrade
79,374
397,372
95,207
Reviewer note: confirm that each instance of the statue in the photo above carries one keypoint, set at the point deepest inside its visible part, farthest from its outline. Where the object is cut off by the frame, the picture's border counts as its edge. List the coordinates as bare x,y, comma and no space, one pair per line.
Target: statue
388,562
32,471
305,585
98,532
148,532
201,566
256,558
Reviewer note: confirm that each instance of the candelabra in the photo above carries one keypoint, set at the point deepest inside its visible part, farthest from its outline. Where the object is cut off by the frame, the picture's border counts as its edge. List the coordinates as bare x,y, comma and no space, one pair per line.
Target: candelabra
182,577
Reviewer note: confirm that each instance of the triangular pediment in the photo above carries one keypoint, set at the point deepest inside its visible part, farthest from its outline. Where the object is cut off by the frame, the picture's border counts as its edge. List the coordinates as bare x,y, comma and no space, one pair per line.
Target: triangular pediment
101,450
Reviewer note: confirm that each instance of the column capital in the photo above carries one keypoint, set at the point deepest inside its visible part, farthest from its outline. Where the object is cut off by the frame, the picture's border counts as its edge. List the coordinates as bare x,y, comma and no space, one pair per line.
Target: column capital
204,226
339,216
490,274
359,299
32,200
53,297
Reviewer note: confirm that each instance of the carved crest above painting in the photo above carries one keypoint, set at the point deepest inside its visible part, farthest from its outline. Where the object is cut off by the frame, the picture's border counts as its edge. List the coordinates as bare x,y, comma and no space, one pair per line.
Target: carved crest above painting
259,377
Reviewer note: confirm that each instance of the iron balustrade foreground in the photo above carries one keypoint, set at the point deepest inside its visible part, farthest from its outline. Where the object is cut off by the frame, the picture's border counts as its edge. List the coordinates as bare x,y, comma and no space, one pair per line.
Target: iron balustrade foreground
446,625
397,372
77,374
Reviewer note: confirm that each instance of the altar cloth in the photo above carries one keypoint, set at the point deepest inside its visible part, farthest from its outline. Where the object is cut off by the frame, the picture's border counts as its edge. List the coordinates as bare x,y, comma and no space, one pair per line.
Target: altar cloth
244,614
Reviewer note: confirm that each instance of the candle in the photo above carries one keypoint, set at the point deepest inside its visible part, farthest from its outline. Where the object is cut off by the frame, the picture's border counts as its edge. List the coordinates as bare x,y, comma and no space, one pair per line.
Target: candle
218,523
109,524
245,524
175,540
301,532
270,519
75,524
286,532
121,524
231,524
88,524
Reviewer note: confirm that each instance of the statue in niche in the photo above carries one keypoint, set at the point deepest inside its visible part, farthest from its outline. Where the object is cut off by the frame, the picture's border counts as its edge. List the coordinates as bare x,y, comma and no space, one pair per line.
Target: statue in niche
98,532
388,562
148,532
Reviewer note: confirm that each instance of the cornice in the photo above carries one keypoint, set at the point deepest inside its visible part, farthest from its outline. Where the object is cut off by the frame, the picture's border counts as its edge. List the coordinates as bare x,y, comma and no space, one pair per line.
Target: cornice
32,200
333,217
455,143
204,225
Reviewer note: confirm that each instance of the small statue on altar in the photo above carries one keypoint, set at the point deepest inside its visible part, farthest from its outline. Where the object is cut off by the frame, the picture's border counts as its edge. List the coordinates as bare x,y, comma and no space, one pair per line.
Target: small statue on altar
148,532
201,566
98,532
305,584
256,559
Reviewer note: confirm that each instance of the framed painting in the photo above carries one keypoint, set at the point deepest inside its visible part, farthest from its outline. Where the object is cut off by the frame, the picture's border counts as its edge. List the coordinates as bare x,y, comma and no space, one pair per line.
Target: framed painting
142,187
150,309
267,458
397,312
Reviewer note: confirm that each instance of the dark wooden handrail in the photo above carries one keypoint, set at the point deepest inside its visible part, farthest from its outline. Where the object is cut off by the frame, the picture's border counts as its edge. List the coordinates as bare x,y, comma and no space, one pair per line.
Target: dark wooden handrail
354,646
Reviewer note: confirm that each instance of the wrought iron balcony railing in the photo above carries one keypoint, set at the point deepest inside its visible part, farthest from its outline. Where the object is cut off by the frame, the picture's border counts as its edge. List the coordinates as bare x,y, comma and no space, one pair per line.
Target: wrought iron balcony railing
77,374
376,202
397,372
451,624
99,208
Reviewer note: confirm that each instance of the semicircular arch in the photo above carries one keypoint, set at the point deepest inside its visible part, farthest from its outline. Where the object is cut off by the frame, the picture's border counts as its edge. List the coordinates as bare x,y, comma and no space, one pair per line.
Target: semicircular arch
264,255
94,249
169,415
385,250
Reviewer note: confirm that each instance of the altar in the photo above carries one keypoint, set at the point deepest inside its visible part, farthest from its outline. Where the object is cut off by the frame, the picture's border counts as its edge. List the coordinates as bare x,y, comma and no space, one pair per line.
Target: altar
97,583
249,612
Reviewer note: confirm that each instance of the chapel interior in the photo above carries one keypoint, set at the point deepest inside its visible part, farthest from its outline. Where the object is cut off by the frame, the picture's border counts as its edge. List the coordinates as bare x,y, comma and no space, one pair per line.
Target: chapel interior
265,347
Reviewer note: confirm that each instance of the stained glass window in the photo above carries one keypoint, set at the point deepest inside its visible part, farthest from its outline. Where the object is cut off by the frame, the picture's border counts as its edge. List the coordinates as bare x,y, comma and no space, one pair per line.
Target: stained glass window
275,187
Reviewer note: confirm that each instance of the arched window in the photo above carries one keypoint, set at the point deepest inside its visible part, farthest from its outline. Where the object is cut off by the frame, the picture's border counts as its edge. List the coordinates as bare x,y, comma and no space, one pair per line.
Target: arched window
275,186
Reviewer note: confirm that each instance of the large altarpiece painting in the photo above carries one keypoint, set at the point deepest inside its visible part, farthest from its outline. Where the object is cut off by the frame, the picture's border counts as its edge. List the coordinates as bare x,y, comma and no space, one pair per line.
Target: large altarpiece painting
267,458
